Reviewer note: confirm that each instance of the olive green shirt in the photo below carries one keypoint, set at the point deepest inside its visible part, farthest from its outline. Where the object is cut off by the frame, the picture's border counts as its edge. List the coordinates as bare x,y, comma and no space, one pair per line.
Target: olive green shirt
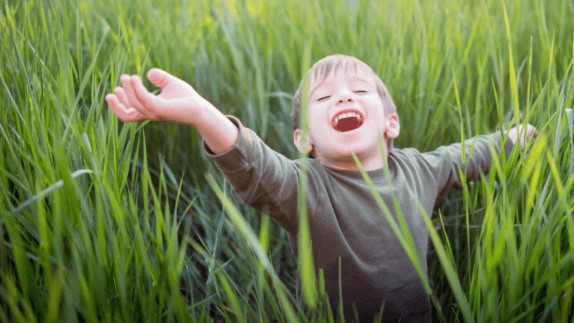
349,232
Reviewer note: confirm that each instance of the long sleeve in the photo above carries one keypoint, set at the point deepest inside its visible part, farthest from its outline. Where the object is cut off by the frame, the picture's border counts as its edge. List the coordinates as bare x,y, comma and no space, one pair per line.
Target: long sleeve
446,161
260,176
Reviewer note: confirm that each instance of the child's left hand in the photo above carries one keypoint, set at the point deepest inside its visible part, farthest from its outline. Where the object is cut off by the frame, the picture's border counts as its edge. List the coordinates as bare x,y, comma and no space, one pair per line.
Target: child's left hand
524,133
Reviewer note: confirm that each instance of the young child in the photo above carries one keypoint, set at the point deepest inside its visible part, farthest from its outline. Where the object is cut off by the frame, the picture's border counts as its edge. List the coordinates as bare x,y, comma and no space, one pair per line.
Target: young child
349,112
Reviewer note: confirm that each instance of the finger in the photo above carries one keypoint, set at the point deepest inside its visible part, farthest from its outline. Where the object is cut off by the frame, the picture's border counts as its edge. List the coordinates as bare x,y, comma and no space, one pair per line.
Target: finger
125,114
117,107
122,96
126,107
147,99
158,77
128,86
111,99
531,131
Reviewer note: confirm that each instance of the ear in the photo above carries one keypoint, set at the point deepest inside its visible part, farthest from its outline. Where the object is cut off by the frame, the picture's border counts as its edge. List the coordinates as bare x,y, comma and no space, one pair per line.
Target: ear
302,141
393,126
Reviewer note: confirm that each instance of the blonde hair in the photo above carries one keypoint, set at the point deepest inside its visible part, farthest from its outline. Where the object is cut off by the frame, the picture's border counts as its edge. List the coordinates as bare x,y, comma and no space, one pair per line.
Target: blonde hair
327,65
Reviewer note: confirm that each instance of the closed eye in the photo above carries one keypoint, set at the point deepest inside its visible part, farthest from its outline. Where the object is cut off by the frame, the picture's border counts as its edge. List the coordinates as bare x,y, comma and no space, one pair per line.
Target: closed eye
361,91
323,98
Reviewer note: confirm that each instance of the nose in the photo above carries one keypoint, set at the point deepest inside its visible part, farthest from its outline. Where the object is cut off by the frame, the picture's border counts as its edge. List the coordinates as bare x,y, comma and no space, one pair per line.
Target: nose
345,96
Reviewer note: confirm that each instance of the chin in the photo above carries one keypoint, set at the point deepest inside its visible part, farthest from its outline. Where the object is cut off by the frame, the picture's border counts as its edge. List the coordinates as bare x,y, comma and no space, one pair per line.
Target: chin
359,147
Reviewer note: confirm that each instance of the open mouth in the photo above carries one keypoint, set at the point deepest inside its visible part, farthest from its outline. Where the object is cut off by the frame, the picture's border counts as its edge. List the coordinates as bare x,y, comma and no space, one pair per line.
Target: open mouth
347,121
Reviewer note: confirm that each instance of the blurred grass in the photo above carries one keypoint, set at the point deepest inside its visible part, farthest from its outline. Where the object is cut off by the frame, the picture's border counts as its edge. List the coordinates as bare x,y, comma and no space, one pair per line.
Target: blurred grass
107,222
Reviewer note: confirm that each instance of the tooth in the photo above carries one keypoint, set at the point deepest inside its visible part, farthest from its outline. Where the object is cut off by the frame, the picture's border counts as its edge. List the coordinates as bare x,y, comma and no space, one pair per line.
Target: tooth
350,114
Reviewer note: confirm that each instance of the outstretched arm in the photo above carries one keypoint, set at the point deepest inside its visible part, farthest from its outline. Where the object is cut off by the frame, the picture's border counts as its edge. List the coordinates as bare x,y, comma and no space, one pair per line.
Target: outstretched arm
177,102
444,163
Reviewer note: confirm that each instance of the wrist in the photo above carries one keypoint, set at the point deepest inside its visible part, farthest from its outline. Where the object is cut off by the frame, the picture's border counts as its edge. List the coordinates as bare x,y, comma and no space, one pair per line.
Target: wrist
218,132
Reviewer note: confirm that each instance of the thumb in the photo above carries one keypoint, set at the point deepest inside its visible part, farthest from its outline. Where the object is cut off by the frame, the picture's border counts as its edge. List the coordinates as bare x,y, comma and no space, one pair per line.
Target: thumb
158,77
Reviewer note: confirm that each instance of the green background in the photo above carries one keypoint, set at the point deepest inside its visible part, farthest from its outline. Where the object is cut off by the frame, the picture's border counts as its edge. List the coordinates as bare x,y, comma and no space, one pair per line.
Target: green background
101,221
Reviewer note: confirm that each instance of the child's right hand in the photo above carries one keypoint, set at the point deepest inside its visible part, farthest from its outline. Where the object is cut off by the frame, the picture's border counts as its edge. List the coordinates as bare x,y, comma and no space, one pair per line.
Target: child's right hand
177,101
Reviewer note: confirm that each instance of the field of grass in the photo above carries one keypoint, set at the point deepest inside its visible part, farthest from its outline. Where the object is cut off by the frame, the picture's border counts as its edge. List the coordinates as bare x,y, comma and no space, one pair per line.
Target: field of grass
101,221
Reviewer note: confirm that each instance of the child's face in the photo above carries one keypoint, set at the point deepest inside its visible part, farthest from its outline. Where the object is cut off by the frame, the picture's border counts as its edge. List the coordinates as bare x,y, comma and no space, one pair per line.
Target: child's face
346,116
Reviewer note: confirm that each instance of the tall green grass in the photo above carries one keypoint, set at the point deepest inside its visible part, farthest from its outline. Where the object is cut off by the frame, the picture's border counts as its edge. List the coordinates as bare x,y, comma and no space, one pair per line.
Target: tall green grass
101,221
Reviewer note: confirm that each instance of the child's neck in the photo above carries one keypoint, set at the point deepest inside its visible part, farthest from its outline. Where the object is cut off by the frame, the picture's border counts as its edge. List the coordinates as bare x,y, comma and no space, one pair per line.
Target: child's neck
369,162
